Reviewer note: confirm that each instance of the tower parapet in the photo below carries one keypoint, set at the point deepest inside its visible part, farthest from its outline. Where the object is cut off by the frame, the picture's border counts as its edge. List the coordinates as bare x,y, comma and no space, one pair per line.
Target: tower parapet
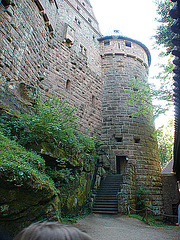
120,45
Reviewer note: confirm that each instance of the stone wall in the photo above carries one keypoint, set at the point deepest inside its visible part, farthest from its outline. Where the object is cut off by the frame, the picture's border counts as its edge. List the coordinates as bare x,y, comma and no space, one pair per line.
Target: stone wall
127,196
44,50
170,194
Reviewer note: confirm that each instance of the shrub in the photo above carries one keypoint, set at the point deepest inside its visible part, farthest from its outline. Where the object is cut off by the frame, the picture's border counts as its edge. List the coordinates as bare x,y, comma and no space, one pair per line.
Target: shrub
21,167
142,198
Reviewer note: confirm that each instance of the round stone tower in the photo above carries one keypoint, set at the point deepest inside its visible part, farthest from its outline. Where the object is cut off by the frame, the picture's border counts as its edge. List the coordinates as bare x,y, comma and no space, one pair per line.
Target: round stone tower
129,141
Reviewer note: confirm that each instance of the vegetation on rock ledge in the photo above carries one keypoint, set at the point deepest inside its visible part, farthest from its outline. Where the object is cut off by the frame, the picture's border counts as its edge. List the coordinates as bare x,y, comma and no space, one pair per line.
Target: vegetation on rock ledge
64,158
22,167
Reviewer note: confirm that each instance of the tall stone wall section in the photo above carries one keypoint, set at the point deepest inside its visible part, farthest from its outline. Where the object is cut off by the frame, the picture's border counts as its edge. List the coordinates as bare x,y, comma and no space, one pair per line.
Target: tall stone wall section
127,195
51,47
170,193
125,136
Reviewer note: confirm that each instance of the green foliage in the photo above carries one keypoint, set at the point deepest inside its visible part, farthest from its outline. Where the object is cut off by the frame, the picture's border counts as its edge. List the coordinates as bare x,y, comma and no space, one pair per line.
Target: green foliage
164,94
22,167
163,38
142,198
140,97
146,97
164,34
156,221
165,137
52,122
50,131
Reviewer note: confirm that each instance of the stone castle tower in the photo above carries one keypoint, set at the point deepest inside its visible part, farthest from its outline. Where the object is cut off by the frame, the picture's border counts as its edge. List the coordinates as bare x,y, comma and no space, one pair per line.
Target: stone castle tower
129,140
53,46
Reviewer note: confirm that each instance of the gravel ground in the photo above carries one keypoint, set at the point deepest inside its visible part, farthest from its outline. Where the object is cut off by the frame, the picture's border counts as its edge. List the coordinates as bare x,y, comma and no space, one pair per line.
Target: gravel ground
117,227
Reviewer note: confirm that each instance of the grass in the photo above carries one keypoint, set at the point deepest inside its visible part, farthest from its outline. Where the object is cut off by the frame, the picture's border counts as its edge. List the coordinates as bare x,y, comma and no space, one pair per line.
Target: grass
155,221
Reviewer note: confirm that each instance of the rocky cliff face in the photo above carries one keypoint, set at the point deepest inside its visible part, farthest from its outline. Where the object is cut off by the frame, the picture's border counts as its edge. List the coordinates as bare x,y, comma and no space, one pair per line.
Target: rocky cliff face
27,194
46,184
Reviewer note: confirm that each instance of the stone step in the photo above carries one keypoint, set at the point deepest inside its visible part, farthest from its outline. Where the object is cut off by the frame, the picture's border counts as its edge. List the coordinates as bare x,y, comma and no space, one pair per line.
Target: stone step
109,190
107,196
110,187
106,200
104,212
105,209
112,181
105,205
115,176
111,184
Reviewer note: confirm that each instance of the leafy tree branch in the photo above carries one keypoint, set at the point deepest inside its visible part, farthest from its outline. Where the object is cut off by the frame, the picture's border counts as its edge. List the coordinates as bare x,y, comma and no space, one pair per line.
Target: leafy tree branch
164,34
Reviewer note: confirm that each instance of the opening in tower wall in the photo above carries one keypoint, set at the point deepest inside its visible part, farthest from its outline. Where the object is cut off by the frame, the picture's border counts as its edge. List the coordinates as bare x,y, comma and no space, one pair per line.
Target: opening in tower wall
121,163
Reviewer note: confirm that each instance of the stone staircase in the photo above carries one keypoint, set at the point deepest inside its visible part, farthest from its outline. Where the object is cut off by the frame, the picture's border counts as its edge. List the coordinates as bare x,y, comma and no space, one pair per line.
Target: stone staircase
106,198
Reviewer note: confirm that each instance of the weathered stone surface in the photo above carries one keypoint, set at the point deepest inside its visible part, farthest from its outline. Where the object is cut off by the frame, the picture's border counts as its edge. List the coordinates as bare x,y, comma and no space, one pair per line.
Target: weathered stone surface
20,206
26,193
37,55
170,194
127,196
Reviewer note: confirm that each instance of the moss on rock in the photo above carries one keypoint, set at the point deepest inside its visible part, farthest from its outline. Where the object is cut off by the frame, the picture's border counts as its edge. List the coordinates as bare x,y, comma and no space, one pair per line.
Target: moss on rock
54,179
27,194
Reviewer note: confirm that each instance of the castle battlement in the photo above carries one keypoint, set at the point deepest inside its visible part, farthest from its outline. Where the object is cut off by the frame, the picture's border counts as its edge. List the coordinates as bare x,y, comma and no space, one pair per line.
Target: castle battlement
120,45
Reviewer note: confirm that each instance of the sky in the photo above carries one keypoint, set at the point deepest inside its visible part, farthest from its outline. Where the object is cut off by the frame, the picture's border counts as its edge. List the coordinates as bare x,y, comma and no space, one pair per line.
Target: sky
134,19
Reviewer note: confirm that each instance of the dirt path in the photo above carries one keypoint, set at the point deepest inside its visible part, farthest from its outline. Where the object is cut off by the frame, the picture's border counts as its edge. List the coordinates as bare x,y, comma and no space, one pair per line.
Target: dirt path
117,227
